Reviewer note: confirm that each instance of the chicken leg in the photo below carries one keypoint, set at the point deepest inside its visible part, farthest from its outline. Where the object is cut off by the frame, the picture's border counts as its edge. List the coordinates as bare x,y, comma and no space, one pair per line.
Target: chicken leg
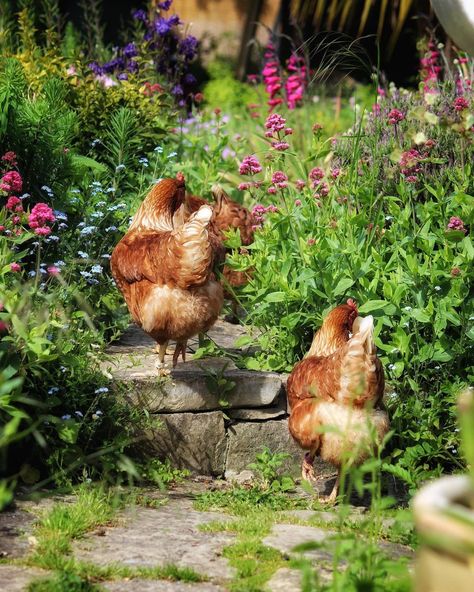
179,349
331,498
161,351
307,468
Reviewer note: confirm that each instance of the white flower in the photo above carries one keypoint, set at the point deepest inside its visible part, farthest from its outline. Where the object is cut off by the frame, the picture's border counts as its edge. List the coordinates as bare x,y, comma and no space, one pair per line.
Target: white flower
83,254
53,390
437,288
407,308
102,389
119,167
97,269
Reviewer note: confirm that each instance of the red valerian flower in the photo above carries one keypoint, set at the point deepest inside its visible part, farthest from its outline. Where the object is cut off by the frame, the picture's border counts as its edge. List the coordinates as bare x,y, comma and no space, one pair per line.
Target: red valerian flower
395,116
11,182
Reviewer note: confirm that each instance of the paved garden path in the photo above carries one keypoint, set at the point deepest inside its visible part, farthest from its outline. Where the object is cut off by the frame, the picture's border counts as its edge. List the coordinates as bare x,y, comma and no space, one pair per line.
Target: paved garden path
172,533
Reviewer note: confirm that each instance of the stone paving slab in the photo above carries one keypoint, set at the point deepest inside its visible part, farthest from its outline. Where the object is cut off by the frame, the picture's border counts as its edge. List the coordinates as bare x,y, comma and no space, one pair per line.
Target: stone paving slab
15,578
157,537
159,586
285,580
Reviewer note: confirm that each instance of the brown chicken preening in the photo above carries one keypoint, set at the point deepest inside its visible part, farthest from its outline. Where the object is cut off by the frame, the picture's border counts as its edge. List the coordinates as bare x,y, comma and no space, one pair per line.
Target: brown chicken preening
228,214
163,267
335,393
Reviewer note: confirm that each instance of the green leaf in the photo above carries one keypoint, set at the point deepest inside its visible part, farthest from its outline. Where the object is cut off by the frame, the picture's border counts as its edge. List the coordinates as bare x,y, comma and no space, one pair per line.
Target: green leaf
342,285
371,305
276,297
68,430
420,315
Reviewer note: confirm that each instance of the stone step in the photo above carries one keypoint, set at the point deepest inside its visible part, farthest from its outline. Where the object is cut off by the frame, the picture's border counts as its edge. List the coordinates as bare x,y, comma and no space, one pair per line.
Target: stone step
214,417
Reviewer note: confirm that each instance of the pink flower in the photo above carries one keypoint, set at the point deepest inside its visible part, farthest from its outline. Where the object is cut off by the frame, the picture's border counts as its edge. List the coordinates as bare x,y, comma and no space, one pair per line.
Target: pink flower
13,202
288,131
2,228
3,326
16,219
297,202
275,123
271,190
311,241
15,267
53,270
10,158
300,184
280,146
43,230
243,186
335,173
40,214
250,166
456,223
11,182
395,116
460,103
316,175
411,179
279,177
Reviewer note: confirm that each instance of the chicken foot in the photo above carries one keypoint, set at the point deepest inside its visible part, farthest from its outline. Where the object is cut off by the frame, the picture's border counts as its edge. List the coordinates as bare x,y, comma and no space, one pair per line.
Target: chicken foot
179,349
161,351
331,498
307,468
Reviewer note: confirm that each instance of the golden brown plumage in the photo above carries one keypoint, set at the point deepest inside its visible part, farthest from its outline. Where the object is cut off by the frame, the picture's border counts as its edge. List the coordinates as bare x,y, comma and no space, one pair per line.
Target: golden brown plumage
163,267
228,214
333,393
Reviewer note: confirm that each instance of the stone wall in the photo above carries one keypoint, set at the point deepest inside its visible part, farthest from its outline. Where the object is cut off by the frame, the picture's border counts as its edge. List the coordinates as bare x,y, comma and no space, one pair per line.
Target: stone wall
199,428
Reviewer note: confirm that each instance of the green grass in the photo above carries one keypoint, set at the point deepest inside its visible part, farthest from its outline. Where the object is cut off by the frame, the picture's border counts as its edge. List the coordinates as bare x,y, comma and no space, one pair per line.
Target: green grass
65,522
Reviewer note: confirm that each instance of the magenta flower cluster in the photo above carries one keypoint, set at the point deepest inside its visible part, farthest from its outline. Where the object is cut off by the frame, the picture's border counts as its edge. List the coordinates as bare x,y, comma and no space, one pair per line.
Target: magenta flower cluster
250,166
40,216
430,69
410,164
11,182
258,213
274,80
456,223
296,82
276,132
460,103
395,116
271,76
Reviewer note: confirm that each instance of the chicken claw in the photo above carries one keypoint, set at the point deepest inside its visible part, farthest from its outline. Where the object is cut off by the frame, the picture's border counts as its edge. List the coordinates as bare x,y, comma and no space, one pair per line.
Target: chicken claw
307,469
179,349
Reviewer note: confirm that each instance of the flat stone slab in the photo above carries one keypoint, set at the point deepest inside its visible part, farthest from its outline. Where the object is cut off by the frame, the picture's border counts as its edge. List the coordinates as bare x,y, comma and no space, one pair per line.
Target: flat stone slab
193,441
15,578
14,524
188,389
159,586
223,334
285,580
285,537
157,537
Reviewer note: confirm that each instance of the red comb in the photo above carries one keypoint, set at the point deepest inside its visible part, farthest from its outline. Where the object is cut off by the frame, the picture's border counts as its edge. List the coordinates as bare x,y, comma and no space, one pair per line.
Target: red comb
353,304
180,179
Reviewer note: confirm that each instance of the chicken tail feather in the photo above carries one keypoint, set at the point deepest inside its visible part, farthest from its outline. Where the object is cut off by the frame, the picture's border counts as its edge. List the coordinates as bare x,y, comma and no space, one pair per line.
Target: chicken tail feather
359,365
192,240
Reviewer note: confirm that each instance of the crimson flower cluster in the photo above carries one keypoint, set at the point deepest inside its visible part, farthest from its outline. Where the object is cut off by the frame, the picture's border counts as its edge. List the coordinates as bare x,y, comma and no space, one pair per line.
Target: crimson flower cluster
395,116
430,69
258,213
276,132
456,223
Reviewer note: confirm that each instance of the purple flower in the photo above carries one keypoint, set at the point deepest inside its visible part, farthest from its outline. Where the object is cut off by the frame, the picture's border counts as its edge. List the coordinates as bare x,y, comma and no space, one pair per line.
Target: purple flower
140,15
96,68
189,79
188,47
162,26
177,90
132,66
123,76
130,50
165,5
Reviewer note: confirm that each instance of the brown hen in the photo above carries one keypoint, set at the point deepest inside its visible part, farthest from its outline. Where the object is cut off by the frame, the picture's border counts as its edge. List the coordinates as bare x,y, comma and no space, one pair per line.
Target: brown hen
335,391
163,267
